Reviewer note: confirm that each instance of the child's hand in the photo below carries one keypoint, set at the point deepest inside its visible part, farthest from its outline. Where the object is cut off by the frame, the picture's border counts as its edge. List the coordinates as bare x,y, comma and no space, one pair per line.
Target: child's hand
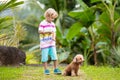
53,36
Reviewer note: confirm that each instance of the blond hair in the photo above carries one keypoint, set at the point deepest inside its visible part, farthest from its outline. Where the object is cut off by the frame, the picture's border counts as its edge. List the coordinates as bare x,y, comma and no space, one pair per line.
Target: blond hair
50,12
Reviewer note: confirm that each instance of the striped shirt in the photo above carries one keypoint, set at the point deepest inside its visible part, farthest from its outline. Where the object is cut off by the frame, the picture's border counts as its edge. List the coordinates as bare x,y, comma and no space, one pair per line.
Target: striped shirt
47,39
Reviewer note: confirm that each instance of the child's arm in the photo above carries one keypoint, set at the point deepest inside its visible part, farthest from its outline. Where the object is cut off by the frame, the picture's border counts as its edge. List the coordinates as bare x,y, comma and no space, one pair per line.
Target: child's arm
40,32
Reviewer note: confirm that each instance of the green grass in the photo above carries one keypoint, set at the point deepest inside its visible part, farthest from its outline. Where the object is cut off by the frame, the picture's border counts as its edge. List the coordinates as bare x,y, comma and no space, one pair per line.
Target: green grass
102,73
36,73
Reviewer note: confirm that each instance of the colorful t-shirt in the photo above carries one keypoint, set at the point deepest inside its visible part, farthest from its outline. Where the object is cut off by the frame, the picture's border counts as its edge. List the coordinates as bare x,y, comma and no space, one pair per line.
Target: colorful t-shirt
47,39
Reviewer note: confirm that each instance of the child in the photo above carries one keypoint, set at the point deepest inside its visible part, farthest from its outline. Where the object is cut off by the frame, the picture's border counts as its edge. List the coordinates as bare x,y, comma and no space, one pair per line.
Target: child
47,33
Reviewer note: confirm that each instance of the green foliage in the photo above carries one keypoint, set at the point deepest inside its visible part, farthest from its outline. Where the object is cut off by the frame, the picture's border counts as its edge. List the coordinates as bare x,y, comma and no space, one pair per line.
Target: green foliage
31,58
33,55
93,1
8,36
109,20
86,17
14,37
82,4
3,20
115,56
9,4
5,6
105,28
62,54
59,5
102,24
30,14
73,30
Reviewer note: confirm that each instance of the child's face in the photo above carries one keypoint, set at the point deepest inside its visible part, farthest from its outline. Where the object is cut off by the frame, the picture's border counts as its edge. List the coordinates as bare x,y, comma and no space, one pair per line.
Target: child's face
51,17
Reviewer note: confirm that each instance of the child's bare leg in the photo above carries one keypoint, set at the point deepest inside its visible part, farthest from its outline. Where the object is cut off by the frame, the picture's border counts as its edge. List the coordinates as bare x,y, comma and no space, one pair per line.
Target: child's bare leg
45,65
46,71
55,63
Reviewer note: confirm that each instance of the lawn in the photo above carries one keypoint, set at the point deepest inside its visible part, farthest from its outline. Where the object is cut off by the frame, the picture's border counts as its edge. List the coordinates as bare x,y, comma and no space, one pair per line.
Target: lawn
36,73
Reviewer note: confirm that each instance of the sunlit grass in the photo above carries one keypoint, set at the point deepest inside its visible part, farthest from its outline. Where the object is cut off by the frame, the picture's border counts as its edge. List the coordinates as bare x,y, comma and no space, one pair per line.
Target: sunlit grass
36,73
10,73
102,73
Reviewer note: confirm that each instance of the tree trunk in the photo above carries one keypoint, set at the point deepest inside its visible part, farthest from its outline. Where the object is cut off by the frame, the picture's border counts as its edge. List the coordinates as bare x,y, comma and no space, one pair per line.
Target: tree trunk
112,35
95,56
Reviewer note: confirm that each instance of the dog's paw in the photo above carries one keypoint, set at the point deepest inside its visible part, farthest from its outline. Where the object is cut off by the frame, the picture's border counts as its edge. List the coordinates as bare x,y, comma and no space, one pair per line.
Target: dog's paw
73,74
64,73
77,74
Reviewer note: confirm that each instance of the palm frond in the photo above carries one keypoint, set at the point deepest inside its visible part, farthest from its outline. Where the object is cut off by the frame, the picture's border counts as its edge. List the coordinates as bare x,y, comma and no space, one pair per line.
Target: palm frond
13,39
9,4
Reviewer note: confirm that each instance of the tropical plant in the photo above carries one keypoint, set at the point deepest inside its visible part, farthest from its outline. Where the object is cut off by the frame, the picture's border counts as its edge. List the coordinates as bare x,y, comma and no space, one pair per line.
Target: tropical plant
14,37
114,58
84,27
110,23
84,18
10,30
7,5
98,20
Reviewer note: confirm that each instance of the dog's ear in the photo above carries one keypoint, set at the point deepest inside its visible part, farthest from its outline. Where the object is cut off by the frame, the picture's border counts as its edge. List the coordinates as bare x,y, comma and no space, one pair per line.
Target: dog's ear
75,60
83,59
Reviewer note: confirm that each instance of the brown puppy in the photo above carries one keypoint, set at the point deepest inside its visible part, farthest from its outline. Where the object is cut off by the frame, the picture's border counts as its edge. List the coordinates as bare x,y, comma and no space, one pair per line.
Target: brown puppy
73,67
